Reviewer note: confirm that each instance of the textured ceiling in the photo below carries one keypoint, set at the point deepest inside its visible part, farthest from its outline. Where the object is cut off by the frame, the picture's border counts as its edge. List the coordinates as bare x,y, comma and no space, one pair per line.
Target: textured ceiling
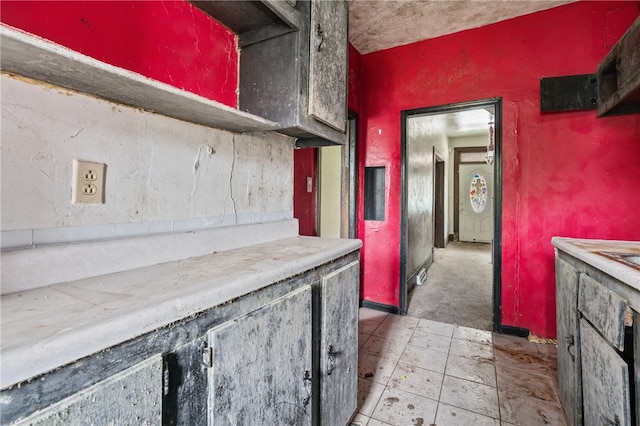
380,24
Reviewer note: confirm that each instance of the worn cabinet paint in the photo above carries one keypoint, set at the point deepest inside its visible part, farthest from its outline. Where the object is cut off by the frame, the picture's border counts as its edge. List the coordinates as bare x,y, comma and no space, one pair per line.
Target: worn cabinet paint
597,347
339,356
569,379
255,360
604,309
327,64
605,379
131,397
261,365
298,79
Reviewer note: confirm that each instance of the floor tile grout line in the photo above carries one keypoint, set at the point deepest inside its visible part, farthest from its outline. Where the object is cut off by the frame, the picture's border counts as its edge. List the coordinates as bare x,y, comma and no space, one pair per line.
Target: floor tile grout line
444,373
495,370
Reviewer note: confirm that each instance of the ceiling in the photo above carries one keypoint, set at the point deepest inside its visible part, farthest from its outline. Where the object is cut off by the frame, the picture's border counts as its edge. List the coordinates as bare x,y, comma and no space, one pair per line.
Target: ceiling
380,24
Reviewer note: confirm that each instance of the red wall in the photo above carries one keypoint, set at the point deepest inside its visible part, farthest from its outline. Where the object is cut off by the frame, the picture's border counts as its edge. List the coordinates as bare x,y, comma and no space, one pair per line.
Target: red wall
304,203
568,174
169,41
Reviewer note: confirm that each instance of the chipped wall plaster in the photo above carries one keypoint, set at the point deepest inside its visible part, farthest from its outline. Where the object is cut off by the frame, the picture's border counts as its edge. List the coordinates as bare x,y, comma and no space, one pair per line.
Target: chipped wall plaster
162,173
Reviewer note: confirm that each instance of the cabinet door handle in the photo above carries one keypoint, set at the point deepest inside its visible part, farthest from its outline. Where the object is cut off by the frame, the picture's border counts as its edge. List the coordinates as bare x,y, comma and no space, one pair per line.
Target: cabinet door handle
331,360
307,386
320,33
570,343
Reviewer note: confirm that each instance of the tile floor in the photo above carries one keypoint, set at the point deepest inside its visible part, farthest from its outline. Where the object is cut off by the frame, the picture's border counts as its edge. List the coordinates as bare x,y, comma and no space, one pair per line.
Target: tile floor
420,372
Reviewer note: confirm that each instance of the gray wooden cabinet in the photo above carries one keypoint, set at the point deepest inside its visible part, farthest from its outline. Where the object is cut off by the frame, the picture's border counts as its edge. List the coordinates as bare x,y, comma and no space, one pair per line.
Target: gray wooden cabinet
293,64
131,397
339,356
299,79
605,381
284,354
595,341
569,377
619,76
260,369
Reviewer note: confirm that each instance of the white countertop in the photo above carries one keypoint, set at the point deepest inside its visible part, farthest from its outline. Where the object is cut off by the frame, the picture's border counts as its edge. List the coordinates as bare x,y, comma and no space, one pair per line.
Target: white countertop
598,254
48,327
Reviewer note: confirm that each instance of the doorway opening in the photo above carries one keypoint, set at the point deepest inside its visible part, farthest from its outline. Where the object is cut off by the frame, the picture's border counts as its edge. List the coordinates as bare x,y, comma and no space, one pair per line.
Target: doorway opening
325,187
451,204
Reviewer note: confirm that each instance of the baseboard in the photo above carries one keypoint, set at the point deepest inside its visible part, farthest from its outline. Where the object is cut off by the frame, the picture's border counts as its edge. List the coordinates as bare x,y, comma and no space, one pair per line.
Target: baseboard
379,307
514,331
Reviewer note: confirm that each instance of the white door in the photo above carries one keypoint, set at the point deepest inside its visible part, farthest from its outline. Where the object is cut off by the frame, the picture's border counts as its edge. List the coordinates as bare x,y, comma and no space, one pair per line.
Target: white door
476,202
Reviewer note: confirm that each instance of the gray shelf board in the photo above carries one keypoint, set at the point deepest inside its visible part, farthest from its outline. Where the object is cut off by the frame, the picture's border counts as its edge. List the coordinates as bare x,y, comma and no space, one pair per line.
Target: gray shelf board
30,56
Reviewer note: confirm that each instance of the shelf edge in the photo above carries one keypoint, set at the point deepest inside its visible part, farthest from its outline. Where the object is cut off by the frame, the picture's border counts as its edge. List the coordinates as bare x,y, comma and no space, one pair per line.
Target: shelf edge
33,57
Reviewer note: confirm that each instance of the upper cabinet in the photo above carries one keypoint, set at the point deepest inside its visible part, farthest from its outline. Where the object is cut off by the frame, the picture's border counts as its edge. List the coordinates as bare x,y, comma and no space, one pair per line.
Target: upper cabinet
293,64
614,89
619,75
298,79
292,76
253,21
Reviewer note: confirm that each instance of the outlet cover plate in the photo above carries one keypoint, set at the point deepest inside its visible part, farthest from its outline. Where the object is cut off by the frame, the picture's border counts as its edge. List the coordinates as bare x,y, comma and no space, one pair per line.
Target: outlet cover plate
88,182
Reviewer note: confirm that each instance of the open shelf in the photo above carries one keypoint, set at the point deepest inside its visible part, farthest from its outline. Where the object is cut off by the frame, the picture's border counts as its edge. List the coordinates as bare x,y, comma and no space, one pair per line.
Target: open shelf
30,56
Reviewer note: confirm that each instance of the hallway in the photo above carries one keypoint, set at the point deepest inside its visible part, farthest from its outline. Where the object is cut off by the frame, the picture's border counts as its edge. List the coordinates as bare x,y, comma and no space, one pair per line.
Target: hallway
458,289
421,372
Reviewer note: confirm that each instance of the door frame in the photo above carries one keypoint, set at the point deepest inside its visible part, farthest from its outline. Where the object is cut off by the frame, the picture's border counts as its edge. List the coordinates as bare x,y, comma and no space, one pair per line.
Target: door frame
439,183
496,247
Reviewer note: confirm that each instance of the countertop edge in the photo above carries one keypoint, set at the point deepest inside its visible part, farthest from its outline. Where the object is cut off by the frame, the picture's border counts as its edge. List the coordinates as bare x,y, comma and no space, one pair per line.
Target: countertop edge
28,361
625,274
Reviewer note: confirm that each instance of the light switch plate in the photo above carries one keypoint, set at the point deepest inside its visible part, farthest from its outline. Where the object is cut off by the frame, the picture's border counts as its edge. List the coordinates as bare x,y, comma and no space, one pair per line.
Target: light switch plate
88,182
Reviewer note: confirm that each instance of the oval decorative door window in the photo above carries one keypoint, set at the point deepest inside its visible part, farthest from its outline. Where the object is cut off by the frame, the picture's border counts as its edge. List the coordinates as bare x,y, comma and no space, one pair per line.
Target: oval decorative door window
478,193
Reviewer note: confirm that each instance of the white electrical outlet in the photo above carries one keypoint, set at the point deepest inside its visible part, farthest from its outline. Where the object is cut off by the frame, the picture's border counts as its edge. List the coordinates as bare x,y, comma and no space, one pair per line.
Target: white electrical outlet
88,182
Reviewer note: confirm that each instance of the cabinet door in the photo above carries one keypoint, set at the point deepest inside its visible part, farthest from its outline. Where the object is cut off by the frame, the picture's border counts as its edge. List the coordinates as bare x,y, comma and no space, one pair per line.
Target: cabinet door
569,380
328,63
132,397
605,381
339,345
261,365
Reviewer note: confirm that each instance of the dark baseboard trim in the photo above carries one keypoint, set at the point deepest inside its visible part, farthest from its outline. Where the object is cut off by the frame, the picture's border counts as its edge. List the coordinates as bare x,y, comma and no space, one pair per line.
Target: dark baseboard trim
514,331
379,307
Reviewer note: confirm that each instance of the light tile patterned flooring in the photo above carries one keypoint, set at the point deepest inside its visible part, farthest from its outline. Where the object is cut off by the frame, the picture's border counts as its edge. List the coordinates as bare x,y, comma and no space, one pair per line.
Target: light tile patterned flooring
420,372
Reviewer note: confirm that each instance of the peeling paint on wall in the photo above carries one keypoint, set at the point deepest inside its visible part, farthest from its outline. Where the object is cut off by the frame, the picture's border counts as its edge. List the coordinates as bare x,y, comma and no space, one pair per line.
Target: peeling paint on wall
158,169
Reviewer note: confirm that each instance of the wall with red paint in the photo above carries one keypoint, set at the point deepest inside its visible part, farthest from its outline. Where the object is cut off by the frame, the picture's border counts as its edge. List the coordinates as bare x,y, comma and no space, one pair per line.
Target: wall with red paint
169,41
568,173
304,203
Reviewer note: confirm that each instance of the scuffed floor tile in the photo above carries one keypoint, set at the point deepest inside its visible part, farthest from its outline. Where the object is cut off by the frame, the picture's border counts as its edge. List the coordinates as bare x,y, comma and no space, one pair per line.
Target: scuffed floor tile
359,420
369,394
375,368
424,373
481,370
431,341
424,358
417,380
398,407
471,396
523,410
519,382
468,349
435,327
453,416
472,334
384,348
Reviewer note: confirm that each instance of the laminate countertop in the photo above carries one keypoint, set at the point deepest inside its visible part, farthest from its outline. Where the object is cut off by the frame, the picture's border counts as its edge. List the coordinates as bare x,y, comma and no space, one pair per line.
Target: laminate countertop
48,327
613,257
